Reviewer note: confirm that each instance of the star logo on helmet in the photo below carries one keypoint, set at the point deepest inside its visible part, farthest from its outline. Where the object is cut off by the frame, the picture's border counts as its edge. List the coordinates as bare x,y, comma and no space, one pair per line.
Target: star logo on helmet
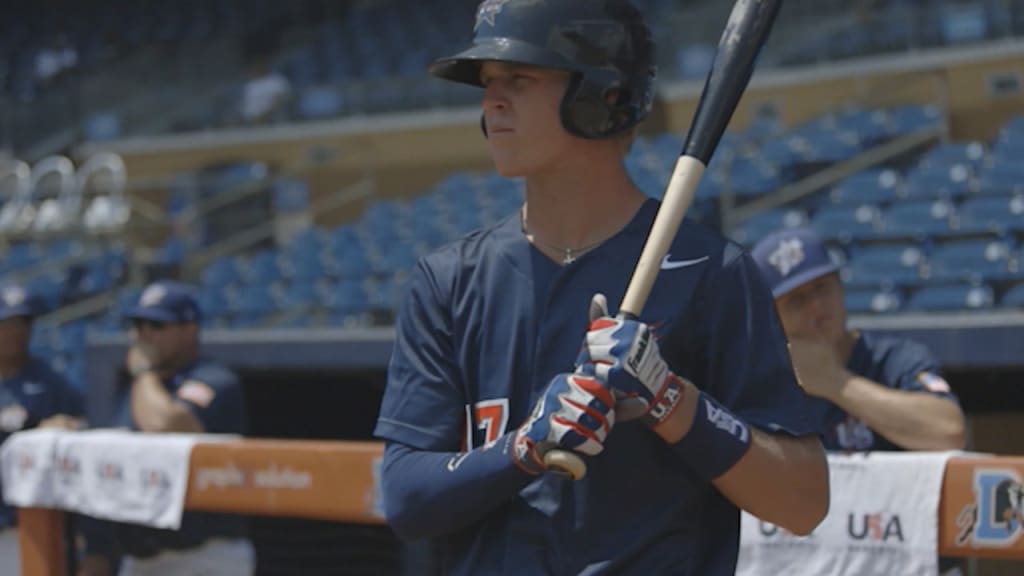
488,10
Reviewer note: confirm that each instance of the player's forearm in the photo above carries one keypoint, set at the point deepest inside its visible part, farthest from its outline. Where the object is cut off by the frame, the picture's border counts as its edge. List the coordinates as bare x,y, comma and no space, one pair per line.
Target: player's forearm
911,420
430,494
781,479
155,410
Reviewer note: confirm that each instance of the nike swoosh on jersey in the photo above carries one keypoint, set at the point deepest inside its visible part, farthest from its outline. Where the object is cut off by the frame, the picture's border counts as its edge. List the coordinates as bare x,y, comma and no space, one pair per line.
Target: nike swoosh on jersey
667,264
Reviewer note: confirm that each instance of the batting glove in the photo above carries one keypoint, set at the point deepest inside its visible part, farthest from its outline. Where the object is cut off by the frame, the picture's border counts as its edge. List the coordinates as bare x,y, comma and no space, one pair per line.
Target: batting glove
575,412
624,354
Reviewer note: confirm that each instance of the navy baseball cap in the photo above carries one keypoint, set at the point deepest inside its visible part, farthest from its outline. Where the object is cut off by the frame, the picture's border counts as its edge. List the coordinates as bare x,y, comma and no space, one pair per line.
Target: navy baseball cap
166,301
791,257
15,301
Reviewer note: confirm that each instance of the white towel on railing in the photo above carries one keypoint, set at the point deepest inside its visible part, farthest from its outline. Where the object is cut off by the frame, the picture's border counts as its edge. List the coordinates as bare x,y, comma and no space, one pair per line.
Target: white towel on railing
112,474
882,520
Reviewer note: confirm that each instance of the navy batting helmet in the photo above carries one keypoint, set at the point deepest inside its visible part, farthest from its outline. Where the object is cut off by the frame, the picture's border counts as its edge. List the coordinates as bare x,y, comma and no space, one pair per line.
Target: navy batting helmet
605,44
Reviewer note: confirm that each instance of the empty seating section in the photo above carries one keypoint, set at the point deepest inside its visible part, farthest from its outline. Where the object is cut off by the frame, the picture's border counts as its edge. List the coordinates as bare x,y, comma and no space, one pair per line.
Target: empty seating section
942,231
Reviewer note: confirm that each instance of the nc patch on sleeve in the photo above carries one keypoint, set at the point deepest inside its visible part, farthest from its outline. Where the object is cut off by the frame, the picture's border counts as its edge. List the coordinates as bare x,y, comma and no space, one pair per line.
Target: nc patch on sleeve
933,382
196,392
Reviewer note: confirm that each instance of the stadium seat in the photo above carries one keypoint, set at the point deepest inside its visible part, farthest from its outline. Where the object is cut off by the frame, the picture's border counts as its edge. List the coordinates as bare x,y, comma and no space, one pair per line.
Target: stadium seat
998,214
984,259
884,265
346,297
971,153
319,102
948,297
872,301
937,181
872,186
916,219
846,223
760,224
913,117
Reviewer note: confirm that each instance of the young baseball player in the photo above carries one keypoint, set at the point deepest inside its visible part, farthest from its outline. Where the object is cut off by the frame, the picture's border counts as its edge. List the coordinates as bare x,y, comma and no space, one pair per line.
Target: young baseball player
506,345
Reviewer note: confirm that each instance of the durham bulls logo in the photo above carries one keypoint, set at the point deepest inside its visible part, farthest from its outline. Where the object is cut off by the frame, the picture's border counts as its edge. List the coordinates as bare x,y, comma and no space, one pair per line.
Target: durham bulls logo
488,10
995,518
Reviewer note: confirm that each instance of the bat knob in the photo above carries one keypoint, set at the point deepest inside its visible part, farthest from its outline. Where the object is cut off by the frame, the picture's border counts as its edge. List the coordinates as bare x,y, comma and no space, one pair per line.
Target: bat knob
565,463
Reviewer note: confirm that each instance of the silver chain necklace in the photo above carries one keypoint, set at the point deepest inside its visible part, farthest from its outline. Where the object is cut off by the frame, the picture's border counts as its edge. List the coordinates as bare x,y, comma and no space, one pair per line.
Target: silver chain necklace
570,255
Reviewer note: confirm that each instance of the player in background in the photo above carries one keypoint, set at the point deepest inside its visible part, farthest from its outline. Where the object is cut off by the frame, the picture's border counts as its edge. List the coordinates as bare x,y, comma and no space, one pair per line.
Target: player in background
873,392
32,395
505,346
168,386
882,393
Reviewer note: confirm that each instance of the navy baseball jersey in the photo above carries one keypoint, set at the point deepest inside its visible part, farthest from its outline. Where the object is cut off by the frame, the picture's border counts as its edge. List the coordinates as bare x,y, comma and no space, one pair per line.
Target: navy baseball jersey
489,320
893,362
214,395
29,397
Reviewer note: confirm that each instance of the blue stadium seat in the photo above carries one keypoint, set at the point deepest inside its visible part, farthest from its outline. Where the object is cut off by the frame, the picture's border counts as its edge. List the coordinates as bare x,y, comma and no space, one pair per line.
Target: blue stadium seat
937,181
346,297
998,214
261,268
884,265
872,301
254,300
760,224
913,117
846,223
304,266
1000,178
221,272
918,218
948,297
972,154
1014,297
872,186
318,102
214,300
984,259
300,296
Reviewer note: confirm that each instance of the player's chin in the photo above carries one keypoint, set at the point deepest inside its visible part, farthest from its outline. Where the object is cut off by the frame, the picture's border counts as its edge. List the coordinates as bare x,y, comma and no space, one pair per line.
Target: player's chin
509,167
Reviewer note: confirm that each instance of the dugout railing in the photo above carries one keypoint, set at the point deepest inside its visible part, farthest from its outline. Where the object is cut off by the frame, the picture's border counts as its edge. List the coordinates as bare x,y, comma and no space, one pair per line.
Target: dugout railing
338,480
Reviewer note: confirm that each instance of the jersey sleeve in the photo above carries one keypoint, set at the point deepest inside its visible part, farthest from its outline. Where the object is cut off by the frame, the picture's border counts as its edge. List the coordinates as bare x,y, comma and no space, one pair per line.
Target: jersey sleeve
743,358
912,367
214,396
423,402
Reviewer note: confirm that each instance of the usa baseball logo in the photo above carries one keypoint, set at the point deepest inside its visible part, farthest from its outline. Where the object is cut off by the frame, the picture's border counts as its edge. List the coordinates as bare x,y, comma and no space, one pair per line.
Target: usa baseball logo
787,256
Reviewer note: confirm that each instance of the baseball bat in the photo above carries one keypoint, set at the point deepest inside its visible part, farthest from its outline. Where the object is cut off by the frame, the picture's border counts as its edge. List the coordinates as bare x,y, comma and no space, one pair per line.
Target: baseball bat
745,34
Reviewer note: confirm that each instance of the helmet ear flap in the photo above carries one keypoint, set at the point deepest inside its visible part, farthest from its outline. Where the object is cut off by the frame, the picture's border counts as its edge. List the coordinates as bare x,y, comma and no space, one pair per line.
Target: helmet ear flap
587,112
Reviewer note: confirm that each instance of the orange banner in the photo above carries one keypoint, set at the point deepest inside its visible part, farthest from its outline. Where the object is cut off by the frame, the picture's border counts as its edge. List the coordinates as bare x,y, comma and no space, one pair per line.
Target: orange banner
326,480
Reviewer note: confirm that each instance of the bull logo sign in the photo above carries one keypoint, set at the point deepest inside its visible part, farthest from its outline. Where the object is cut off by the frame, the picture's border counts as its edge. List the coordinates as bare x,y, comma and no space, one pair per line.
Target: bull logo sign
995,517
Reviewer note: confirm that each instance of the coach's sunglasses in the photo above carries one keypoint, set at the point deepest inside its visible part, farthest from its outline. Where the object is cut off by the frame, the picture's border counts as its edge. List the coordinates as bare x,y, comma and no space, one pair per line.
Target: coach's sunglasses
140,324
